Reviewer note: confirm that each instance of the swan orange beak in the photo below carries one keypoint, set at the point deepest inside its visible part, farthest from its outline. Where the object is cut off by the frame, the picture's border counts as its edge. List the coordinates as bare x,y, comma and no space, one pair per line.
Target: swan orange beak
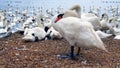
57,19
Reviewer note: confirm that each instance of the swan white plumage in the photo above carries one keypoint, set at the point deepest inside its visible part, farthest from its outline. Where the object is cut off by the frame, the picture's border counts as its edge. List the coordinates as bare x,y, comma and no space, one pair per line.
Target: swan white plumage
3,22
117,37
104,21
93,19
47,23
53,34
113,21
24,12
39,22
78,32
5,32
115,31
27,23
102,34
75,11
34,34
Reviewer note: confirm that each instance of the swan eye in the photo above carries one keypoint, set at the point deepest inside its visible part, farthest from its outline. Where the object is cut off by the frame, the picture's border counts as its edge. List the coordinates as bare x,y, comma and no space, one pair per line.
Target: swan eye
103,15
110,21
60,15
42,19
33,20
33,34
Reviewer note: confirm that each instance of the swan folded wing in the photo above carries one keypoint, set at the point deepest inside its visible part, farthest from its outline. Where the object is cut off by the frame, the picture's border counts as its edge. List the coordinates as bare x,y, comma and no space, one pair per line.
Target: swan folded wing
78,31
89,38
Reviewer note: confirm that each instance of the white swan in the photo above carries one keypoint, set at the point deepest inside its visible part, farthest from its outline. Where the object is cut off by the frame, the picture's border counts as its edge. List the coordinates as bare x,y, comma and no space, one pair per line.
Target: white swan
93,19
105,22
117,37
24,12
78,32
102,34
53,34
113,21
34,34
3,22
75,11
27,23
115,31
39,20
5,32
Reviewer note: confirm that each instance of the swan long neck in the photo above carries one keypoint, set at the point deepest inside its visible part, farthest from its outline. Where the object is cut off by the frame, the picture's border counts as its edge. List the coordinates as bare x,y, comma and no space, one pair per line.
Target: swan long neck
4,21
39,22
77,8
105,17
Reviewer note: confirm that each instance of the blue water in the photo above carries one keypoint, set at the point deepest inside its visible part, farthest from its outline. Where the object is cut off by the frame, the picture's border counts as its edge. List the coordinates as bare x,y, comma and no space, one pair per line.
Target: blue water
54,4
47,4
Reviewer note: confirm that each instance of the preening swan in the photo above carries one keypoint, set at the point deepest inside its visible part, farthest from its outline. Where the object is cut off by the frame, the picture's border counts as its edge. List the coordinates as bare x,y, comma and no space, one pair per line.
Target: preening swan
75,11
78,32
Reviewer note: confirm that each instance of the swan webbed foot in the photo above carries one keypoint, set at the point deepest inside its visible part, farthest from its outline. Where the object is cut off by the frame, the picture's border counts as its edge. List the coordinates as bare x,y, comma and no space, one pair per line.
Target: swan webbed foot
68,56
71,55
78,52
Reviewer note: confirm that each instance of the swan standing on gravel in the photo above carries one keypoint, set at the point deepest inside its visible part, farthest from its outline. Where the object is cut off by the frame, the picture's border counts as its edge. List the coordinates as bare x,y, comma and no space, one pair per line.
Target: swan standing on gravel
77,32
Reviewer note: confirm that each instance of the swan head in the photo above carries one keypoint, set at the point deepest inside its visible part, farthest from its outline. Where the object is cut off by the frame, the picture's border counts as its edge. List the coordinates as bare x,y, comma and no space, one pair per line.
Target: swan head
69,13
60,16
104,16
30,37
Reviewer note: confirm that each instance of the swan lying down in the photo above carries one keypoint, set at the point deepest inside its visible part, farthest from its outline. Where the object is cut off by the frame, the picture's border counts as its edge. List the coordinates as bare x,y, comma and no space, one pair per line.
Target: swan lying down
78,32
102,34
53,34
34,34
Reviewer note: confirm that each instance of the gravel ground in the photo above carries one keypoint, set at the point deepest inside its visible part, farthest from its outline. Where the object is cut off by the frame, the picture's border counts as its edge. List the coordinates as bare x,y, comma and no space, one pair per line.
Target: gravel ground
14,53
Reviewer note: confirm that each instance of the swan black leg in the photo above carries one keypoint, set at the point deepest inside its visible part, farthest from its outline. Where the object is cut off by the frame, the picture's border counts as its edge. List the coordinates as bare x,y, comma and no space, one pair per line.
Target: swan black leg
72,52
71,55
78,52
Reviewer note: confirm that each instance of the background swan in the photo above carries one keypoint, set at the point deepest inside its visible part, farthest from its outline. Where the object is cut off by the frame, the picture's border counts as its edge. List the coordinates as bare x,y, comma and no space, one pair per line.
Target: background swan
34,34
75,11
93,19
39,20
102,34
104,20
53,34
